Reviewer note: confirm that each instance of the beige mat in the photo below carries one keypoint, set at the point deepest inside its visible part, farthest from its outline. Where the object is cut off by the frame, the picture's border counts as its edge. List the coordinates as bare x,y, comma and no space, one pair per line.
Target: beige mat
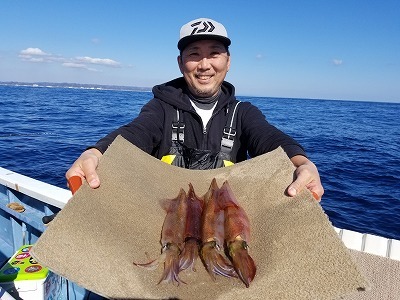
96,237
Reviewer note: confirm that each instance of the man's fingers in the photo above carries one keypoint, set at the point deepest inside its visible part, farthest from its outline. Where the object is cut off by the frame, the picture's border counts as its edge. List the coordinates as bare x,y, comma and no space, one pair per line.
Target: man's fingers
85,167
75,171
295,188
306,176
93,180
89,166
304,179
292,191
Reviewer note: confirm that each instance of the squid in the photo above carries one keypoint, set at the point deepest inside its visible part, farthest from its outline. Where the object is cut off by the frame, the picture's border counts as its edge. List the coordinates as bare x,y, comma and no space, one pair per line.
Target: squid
172,239
192,236
237,234
212,250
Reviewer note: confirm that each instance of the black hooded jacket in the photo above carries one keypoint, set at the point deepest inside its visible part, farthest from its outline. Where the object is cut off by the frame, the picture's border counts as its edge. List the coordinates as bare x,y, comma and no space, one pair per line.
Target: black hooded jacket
151,130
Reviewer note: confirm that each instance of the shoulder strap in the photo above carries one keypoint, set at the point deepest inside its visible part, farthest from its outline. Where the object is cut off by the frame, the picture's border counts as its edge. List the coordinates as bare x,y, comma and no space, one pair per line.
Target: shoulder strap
178,128
229,133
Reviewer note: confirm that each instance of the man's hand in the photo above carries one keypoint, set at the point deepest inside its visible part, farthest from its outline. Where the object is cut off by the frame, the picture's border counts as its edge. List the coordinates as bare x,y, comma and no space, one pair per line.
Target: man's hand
85,167
306,175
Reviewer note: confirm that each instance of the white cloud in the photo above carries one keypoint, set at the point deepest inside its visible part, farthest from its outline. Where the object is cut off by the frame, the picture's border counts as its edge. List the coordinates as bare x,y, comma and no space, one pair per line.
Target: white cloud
56,59
259,56
78,66
337,62
34,55
99,61
33,52
36,59
74,65
39,56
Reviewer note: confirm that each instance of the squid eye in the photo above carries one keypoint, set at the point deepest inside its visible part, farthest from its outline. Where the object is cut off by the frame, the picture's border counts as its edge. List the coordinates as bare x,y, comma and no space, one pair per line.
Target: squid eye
245,245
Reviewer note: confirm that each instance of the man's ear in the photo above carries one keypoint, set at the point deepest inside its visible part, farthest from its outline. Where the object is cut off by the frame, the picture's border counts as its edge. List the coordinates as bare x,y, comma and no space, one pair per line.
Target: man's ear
180,64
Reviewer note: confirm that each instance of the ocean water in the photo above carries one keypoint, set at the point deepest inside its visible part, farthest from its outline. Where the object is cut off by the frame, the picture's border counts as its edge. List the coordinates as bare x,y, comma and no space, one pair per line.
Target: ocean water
355,145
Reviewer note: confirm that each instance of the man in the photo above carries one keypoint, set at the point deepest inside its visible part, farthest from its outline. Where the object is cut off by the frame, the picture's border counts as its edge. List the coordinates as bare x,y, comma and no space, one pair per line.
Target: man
196,122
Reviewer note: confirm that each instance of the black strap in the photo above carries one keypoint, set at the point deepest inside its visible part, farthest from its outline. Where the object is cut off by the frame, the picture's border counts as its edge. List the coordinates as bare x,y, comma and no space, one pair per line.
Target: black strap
178,128
228,137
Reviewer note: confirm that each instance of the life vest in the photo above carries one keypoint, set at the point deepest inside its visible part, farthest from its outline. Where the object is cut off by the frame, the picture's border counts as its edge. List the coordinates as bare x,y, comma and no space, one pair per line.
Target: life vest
191,158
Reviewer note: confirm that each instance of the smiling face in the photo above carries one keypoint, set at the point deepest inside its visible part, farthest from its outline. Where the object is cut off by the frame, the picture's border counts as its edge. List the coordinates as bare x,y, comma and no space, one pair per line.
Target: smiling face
204,65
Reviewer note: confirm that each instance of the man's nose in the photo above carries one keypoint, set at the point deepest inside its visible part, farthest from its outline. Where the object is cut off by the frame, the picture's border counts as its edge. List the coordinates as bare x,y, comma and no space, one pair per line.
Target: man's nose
204,63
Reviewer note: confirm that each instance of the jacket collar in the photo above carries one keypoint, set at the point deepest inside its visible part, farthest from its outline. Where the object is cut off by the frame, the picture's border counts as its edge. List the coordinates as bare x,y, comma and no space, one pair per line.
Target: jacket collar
173,93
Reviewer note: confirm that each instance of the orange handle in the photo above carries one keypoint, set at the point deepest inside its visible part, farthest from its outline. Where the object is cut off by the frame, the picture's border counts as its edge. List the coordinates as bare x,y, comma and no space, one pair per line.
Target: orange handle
74,183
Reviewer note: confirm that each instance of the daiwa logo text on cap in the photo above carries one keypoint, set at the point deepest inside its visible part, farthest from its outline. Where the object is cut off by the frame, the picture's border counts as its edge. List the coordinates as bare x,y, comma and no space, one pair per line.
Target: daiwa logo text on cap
202,29
207,27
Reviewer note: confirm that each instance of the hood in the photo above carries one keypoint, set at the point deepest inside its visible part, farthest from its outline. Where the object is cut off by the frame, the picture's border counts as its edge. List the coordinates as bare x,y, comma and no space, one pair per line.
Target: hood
173,93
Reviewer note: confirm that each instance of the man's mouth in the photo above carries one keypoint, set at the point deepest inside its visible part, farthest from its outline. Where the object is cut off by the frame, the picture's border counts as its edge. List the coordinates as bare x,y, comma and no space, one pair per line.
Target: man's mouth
203,77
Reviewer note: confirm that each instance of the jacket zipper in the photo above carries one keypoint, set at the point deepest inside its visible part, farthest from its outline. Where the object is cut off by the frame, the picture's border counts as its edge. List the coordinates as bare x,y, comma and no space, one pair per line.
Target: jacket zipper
201,120
212,116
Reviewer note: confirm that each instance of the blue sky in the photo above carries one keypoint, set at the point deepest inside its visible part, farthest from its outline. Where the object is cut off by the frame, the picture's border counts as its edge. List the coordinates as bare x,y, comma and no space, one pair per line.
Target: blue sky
343,49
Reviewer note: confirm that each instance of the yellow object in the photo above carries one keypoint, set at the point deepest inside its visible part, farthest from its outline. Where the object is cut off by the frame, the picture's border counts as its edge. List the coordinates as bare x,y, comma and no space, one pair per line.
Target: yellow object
228,163
22,266
168,158
25,278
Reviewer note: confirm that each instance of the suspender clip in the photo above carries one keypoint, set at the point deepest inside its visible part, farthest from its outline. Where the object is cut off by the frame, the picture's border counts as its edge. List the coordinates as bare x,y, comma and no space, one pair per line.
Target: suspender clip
178,131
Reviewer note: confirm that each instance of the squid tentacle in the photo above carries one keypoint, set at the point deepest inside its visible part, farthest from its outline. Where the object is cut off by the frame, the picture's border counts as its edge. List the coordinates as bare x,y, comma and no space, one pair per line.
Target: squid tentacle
215,262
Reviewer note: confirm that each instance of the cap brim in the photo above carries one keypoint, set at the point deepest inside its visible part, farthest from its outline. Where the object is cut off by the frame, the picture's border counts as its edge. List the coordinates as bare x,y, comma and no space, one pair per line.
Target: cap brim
185,41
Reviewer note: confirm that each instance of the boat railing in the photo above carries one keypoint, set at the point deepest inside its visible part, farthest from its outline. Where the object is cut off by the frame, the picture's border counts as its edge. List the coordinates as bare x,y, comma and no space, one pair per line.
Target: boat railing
22,224
35,198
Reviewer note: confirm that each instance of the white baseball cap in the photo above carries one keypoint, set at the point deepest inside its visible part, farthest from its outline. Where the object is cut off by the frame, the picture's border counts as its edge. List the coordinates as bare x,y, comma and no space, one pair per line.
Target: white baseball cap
202,29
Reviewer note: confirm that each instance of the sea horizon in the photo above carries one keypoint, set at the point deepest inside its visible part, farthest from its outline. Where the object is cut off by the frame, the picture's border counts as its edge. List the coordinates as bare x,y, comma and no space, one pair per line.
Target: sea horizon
115,87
